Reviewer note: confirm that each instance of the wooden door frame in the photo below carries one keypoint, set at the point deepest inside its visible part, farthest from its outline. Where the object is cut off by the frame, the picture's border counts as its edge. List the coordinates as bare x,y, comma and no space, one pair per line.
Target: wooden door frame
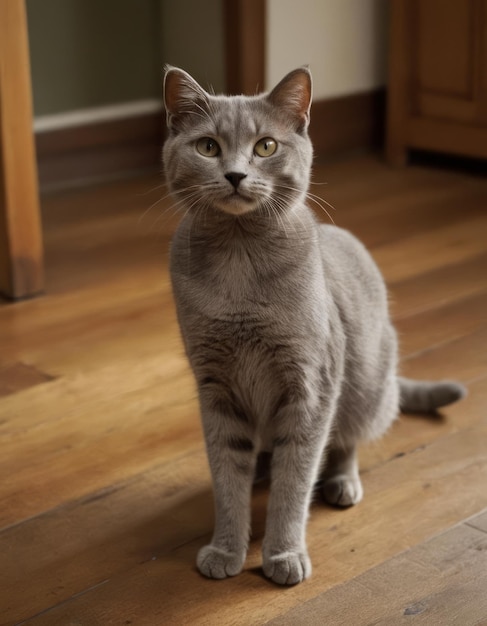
21,248
245,38
21,252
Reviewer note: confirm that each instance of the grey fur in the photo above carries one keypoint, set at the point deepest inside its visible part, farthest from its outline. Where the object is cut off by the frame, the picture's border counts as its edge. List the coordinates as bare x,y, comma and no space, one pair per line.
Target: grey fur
285,321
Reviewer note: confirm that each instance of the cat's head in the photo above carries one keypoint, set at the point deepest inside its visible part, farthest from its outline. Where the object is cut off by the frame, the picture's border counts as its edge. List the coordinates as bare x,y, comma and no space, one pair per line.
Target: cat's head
238,154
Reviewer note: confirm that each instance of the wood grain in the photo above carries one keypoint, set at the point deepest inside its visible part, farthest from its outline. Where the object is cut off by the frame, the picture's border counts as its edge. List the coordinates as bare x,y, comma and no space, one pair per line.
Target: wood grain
346,124
344,546
245,36
441,581
96,151
436,95
21,250
106,495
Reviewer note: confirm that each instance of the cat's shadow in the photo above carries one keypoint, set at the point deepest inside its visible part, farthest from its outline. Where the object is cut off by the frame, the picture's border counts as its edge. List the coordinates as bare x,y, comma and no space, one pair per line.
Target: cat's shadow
181,530
435,416
176,535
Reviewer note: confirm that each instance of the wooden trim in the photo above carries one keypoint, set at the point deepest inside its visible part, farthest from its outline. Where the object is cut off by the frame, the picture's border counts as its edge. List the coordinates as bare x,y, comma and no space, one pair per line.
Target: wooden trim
399,84
108,149
21,253
245,23
348,123
482,67
448,137
99,150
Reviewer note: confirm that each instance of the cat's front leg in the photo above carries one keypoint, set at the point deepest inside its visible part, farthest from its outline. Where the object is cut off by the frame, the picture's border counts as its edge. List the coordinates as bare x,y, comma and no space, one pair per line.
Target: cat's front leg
295,464
232,458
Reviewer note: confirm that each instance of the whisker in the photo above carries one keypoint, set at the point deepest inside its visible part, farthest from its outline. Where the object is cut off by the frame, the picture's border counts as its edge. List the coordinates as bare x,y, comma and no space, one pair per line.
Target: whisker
277,210
288,217
146,212
144,193
191,197
318,203
313,198
167,195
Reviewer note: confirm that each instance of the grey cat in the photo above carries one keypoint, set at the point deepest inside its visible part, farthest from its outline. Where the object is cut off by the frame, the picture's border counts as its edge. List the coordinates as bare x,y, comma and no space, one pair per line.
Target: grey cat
285,321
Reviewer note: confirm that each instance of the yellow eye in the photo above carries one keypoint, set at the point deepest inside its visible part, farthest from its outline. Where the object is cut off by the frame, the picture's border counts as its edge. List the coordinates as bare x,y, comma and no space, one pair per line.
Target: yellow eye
208,147
265,147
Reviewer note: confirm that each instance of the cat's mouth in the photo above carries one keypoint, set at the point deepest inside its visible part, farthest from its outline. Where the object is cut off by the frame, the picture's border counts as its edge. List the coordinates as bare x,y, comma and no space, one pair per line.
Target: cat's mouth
238,195
237,203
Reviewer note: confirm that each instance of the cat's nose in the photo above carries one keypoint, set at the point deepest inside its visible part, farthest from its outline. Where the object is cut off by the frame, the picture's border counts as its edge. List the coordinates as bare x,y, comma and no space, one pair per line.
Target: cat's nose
235,177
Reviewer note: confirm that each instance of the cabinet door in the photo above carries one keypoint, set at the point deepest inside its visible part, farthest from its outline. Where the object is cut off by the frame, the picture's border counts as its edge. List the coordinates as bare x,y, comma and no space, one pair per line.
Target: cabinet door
437,95
447,59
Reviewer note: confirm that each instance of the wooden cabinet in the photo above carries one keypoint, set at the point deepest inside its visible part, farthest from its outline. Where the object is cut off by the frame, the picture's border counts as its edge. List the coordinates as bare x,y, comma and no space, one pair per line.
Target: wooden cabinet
437,96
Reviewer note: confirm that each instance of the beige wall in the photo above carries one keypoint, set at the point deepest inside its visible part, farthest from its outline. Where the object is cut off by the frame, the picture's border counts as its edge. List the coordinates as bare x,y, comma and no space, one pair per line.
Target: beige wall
91,53
343,41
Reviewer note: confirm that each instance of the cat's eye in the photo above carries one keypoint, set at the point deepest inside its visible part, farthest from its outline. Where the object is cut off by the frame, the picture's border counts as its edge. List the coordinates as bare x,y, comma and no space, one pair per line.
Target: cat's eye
265,147
208,147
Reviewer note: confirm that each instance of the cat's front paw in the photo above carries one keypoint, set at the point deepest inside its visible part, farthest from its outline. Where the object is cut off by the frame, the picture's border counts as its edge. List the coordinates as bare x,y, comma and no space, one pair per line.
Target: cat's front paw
343,490
287,568
214,562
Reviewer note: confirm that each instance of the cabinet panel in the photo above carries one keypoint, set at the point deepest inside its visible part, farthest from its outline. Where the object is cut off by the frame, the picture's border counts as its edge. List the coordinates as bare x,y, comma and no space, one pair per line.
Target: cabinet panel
437,97
444,34
446,64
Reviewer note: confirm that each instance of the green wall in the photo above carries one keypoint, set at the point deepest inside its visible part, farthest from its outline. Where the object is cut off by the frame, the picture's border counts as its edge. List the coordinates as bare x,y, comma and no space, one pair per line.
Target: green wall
193,39
89,53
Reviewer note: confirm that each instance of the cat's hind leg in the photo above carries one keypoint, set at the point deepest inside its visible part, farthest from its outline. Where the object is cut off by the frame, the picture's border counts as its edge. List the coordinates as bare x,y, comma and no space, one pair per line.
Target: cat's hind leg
361,417
341,485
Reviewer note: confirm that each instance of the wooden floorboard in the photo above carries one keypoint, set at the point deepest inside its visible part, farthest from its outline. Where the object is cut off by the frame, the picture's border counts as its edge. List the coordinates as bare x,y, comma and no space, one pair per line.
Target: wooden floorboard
441,581
106,496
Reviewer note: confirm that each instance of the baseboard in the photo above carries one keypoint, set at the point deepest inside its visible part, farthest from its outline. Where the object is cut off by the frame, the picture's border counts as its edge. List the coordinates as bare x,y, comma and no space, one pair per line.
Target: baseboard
103,143
96,144
348,124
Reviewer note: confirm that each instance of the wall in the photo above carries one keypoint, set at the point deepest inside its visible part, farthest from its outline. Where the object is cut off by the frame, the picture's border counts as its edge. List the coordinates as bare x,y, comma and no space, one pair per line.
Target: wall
89,53
101,61
97,70
192,38
343,41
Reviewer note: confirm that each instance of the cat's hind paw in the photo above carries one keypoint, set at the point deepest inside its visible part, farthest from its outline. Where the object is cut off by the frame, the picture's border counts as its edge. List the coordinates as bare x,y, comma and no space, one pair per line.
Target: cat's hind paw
214,562
343,490
287,568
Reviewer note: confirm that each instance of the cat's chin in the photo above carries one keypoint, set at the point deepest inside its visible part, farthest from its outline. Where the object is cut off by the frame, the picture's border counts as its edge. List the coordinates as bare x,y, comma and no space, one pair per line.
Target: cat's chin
237,205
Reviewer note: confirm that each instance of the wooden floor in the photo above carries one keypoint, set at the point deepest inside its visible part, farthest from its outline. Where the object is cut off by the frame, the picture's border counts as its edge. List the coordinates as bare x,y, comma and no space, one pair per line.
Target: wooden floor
105,494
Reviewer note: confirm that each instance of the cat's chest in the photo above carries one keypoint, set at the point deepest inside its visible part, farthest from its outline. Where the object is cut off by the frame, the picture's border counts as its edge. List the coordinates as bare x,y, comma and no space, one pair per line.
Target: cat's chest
258,359
254,294
235,284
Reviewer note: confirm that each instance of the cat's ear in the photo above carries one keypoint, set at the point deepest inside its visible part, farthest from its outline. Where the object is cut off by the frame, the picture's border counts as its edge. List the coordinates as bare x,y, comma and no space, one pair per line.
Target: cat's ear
293,95
182,96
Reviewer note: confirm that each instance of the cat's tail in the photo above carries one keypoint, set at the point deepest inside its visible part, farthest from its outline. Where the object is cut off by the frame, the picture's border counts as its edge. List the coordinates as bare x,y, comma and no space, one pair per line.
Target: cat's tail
417,396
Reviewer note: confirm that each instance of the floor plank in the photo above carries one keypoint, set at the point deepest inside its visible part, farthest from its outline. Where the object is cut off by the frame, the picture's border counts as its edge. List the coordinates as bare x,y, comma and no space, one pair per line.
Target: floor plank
106,494
17,376
342,545
155,515
427,251
438,287
449,322
441,581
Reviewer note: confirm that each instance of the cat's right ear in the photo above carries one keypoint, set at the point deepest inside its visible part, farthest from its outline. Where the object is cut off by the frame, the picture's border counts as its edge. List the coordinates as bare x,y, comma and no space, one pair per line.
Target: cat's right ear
182,96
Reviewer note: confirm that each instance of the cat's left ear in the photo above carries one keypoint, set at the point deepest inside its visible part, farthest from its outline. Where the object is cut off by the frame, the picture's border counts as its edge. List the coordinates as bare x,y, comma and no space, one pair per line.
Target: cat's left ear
182,96
293,95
